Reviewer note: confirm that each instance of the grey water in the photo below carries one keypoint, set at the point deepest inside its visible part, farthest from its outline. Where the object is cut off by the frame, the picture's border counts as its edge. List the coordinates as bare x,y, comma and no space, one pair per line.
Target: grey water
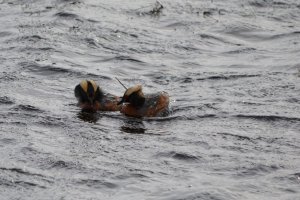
231,68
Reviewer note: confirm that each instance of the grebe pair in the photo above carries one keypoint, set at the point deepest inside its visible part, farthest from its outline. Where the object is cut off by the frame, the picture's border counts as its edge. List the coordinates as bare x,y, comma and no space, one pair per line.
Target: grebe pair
133,103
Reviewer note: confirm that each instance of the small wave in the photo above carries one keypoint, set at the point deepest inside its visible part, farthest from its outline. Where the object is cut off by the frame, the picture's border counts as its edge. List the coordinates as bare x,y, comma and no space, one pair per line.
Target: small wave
28,108
27,183
66,15
6,100
59,164
51,121
239,137
199,116
30,150
91,42
186,48
13,183
168,118
188,79
27,38
176,25
172,117
20,171
179,156
17,123
268,117
70,1
122,58
5,33
95,183
180,79
126,33
259,4
297,175
211,37
256,35
95,76
132,175
293,100
8,141
290,178
5,77
158,78
153,10
240,51
257,170
93,21
5,182
46,49
205,194
32,38
49,7
83,74
216,38
274,4
278,141
228,77
284,35
45,70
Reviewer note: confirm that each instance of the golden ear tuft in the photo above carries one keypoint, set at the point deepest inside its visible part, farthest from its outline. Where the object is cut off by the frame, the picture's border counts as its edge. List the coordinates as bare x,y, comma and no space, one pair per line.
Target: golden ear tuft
136,88
84,85
94,84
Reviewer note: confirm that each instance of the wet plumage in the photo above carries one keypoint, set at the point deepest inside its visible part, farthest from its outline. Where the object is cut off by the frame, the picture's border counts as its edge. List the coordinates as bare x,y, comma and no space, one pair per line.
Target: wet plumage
136,104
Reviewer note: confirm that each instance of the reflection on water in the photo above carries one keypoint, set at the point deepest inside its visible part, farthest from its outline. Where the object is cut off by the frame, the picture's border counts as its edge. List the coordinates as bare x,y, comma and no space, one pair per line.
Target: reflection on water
135,126
129,125
88,116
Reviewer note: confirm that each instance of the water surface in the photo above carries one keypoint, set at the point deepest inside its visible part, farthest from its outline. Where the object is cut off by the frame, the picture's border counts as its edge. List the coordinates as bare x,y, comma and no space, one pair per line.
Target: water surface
231,69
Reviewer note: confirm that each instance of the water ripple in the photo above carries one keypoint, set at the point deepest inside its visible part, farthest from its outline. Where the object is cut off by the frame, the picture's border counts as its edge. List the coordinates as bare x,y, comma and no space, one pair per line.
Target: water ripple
228,77
179,156
259,169
26,108
6,100
121,58
269,117
66,15
95,183
20,171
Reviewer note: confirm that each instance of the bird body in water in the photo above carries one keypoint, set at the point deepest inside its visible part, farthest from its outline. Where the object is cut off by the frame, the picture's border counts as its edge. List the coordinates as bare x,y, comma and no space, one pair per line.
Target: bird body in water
136,104
91,97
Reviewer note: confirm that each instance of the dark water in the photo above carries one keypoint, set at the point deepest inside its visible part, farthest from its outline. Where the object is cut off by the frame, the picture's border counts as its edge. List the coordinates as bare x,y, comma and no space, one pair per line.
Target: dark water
232,69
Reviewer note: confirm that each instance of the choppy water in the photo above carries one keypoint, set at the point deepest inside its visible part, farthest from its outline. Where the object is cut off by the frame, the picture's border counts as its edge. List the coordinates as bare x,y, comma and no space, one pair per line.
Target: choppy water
232,70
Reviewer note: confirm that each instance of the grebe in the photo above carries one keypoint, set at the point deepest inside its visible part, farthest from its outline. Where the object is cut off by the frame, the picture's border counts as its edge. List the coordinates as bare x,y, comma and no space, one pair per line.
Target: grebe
91,97
136,104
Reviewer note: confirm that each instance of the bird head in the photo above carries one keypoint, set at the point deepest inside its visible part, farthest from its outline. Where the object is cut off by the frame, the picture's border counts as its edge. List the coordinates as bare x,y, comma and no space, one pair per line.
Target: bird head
90,88
133,95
